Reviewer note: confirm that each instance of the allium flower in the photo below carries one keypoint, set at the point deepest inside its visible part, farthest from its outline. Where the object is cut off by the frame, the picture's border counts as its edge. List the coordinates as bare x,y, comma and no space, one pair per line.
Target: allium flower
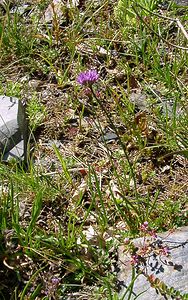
144,226
55,281
165,251
88,77
126,241
153,233
134,259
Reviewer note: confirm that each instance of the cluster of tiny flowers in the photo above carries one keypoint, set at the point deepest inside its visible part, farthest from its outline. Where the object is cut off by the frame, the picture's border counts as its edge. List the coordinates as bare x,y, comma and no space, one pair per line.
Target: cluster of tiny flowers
165,251
88,77
145,229
52,286
134,260
149,248
144,226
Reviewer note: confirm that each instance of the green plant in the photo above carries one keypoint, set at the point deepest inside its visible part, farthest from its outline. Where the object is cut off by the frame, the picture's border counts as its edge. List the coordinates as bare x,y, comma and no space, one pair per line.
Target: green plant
36,112
11,89
120,158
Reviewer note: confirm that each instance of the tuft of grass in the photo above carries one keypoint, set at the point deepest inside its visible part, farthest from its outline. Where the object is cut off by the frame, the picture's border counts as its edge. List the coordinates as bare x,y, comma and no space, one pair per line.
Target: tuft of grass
36,112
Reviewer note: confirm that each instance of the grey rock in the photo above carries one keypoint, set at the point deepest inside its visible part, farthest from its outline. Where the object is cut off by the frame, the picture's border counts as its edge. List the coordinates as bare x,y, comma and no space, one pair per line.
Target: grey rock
172,270
181,2
21,9
108,137
139,99
178,3
168,107
165,106
13,128
16,152
54,10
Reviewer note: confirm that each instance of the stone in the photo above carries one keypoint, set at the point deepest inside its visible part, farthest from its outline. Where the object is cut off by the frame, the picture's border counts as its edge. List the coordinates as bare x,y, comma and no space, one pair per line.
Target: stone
16,152
165,106
108,137
139,99
172,270
13,128
181,2
54,10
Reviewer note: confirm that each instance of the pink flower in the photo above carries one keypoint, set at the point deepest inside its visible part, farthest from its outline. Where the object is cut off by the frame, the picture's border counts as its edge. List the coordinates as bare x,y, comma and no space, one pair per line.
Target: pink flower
165,251
134,259
144,226
126,241
153,233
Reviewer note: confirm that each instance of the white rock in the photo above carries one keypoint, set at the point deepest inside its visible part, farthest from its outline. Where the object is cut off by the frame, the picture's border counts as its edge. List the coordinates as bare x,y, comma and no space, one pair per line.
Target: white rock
172,270
13,128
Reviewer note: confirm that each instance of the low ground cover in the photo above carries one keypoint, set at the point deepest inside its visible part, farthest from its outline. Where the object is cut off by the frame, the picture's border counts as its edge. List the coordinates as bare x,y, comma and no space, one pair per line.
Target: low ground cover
107,149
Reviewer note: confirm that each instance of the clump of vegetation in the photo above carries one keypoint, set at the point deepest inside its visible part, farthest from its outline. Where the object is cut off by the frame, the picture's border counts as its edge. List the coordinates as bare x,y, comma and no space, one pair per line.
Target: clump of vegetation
105,84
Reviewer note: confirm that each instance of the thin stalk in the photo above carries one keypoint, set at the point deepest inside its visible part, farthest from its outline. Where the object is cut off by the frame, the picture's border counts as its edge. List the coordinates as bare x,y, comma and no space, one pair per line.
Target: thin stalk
119,139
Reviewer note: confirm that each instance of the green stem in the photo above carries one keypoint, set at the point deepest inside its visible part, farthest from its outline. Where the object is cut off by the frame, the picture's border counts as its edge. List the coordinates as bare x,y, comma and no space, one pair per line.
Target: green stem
119,139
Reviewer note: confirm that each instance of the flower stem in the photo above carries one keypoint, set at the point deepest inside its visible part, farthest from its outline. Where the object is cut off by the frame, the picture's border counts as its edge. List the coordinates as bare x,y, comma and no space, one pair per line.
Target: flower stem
119,139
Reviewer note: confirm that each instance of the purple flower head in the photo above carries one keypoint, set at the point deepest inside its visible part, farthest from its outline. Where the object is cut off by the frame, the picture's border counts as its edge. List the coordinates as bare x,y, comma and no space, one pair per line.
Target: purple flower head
88,77
55,281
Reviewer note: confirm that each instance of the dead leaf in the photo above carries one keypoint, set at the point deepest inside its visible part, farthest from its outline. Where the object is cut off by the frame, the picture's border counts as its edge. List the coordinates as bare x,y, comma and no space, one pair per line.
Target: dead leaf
79,193
141,122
